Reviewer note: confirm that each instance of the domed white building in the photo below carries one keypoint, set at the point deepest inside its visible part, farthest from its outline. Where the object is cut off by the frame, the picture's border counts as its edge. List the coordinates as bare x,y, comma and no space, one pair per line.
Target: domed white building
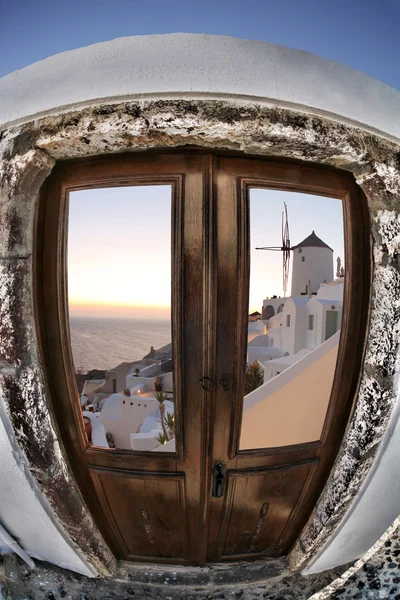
312,265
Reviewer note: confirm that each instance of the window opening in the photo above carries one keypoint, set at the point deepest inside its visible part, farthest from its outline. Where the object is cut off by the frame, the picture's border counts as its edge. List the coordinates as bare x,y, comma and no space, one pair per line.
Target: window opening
149,504
294,410
119,291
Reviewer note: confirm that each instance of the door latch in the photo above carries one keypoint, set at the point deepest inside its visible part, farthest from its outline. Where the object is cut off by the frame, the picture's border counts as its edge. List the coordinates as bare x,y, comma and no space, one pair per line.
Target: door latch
205,383
219,471
225,383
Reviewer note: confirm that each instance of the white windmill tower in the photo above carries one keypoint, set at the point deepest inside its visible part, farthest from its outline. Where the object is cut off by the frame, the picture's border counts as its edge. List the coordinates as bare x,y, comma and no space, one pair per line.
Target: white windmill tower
312,261
312,265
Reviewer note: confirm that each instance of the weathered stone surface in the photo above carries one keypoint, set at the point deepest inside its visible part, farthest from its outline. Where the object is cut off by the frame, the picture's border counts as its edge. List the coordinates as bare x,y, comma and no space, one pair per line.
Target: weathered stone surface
17,341
376,575
20,180
24,396
251,128
155,583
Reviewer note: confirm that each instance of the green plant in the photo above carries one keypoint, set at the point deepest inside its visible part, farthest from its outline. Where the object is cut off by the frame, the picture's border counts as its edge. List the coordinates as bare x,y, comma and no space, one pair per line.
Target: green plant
161,398
253,378
137,371
161,438
170,423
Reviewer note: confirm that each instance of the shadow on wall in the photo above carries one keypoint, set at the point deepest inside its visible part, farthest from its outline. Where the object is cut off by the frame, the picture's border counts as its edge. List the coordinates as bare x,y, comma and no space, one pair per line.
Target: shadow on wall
291,407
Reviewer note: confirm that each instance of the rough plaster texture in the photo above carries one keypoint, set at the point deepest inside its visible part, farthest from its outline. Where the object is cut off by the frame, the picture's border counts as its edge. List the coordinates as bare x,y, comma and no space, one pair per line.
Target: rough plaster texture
28,152
380,489
268,581
38,457
376,576
21,500
186,64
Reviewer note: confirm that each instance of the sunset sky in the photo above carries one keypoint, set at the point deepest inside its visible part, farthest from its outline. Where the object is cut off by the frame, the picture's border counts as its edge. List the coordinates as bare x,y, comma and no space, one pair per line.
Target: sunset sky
108,267
119,252
119,257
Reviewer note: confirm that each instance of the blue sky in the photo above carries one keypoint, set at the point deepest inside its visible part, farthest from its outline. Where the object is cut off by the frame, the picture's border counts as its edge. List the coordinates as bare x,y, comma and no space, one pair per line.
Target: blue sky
362,34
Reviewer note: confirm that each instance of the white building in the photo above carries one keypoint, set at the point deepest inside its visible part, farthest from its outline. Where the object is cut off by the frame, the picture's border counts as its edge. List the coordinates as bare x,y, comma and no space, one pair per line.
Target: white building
312,262
255,328
272,306
302,322
134,421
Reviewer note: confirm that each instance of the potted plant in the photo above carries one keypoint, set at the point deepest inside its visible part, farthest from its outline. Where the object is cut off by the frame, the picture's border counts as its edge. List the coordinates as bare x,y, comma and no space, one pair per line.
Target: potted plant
253,378
88,428
158,383
170,423
161,398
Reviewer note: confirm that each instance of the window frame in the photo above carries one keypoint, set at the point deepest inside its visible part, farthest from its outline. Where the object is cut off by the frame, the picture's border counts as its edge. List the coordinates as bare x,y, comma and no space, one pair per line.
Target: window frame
284,175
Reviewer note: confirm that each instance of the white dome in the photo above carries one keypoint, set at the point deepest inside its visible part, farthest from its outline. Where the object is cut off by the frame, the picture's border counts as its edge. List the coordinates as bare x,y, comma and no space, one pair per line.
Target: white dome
193,65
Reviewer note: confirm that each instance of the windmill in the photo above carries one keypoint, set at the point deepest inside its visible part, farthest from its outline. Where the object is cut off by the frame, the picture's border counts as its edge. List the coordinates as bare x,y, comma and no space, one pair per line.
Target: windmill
285,248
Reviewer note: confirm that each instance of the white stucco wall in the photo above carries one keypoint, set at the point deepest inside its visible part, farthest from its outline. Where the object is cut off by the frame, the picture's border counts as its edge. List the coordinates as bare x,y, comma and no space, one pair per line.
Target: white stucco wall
317,266
262,353
194,65
274,302
291,408
122,415
374,509
24,512
293,337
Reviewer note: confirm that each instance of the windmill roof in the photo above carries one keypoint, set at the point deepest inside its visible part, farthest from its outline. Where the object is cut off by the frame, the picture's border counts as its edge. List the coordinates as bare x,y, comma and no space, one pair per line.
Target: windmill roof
312,241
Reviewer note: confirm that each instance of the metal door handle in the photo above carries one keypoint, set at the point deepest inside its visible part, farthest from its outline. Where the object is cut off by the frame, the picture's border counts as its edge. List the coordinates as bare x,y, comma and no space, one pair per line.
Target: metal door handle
225,383
219,471
205,383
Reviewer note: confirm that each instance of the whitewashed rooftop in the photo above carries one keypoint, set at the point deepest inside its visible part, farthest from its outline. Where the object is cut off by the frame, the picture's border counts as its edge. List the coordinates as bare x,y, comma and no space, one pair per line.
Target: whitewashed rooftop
194,65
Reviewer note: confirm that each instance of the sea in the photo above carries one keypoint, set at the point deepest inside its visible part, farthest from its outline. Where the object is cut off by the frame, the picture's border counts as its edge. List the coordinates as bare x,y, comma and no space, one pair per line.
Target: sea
103,343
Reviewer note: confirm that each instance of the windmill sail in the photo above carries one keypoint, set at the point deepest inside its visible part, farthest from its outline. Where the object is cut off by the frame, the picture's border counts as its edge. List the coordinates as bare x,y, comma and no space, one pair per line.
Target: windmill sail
284,248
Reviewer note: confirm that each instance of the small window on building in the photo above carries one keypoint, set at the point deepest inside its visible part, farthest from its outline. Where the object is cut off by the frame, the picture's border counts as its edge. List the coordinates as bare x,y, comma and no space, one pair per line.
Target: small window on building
310,322
300,250
287,320
303,259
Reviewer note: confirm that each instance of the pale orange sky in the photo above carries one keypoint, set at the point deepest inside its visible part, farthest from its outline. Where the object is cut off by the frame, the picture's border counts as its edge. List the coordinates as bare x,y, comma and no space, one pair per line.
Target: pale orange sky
104,310
119,247
119,252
